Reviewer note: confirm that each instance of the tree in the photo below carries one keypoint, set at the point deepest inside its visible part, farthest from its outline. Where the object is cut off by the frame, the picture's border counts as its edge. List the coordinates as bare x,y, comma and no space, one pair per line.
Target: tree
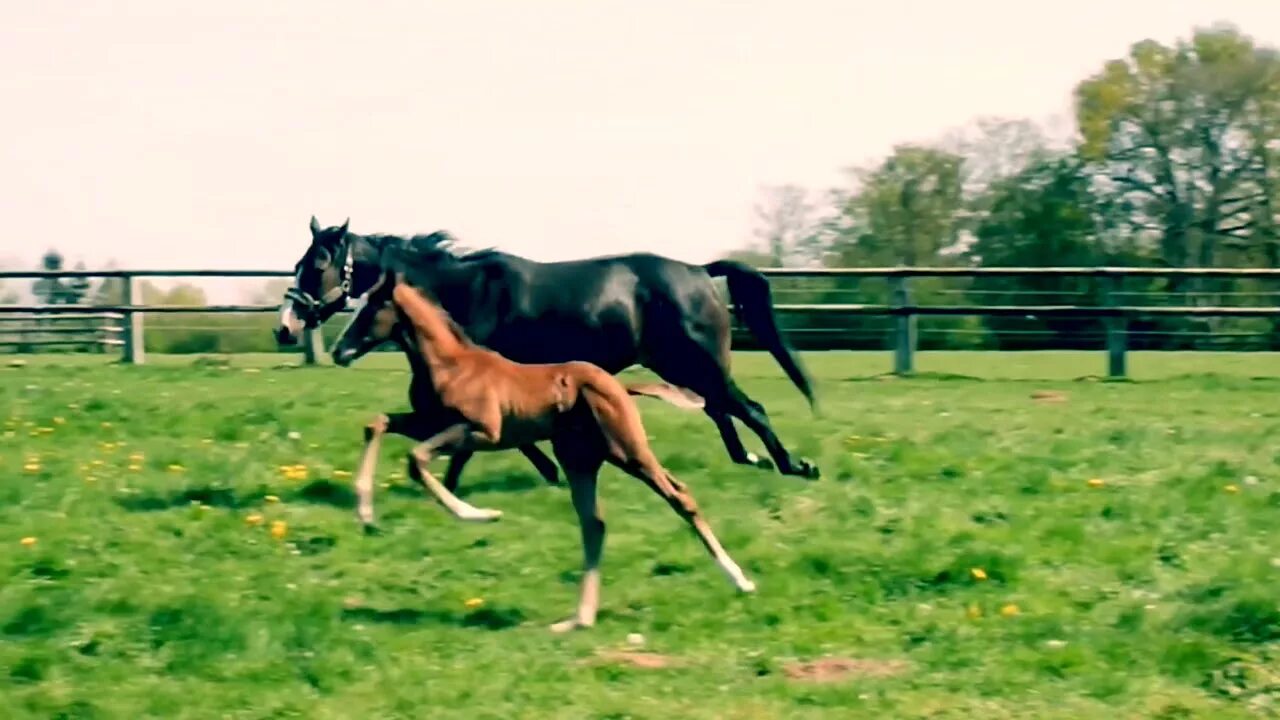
904,211
995,148
182,294
271,292
1042,216
785,223
59,291
1179,137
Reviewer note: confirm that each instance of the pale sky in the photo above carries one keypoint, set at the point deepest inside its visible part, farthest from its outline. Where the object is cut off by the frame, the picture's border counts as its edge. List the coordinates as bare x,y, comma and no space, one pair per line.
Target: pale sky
161,133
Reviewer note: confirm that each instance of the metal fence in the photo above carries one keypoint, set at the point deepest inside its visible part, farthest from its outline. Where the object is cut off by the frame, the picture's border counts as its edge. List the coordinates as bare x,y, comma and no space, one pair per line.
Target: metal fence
1111,309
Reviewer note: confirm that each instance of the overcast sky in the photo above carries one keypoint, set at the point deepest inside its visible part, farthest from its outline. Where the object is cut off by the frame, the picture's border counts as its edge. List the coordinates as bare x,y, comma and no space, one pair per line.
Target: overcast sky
160,133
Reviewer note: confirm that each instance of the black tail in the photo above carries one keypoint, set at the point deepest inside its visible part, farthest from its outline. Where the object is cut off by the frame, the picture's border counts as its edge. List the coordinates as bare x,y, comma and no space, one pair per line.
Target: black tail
753,300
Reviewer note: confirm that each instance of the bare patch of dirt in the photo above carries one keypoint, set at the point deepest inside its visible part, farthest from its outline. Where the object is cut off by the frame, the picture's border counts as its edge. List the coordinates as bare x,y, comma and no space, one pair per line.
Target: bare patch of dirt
632,658
1049,396
837,669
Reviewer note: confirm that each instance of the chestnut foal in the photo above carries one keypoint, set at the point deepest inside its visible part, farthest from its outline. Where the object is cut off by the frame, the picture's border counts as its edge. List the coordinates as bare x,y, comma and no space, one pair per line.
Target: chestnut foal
496,404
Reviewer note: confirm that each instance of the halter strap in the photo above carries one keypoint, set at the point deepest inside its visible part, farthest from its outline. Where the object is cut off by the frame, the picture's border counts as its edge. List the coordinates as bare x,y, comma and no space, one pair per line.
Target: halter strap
345,273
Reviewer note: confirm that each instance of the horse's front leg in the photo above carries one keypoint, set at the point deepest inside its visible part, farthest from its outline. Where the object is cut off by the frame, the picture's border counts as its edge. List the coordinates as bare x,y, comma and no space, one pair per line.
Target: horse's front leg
397,423
457,438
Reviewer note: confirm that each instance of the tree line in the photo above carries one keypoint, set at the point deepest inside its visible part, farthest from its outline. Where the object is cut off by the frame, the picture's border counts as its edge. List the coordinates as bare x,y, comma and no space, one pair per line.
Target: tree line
1174,162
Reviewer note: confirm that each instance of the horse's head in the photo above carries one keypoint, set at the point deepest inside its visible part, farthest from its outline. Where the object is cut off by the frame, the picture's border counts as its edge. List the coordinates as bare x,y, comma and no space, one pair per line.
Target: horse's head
375,321
321,283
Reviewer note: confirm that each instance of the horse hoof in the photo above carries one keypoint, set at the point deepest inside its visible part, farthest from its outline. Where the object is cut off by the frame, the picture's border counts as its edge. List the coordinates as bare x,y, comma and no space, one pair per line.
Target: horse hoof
569,625
483,515
808,470
763,463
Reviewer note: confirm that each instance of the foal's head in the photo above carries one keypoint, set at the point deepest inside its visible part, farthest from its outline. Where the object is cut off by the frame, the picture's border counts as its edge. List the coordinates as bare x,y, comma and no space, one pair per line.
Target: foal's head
375,322
378,319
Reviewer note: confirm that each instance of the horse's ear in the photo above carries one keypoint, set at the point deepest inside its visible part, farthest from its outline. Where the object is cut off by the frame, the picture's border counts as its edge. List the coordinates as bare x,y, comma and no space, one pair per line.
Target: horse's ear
342,229
315,226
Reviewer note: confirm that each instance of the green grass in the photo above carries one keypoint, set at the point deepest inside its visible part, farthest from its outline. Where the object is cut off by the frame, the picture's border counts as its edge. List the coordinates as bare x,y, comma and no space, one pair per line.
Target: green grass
146,593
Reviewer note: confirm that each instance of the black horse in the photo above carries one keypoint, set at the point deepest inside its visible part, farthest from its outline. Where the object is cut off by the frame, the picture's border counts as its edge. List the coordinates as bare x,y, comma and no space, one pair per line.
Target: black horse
613,311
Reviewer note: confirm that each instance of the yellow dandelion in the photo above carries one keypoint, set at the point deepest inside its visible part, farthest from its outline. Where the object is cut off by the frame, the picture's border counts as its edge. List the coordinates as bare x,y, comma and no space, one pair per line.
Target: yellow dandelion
57,420
136,456
90,478
1233,489
253,519
106,425
278,529
176,468
134,467
341,474
978,573
473,603
973,612
1010,610
206,441
97,462
271,499
396,475
31,467
28,541
1096,482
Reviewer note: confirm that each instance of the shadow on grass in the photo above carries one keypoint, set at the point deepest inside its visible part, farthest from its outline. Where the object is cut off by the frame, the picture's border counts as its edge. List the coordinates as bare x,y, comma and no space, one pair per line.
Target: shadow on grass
511,482
219,497
483,618
317,492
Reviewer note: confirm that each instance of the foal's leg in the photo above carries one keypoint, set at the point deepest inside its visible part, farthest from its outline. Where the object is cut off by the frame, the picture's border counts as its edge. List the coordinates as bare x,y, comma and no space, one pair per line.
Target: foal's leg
678,497
582,485
396,423
420,455
543,464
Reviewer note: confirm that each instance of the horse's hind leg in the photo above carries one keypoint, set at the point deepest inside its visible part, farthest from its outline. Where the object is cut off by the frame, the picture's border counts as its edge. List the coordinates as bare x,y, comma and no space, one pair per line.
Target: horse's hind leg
691,364
688,364
753,415
732,443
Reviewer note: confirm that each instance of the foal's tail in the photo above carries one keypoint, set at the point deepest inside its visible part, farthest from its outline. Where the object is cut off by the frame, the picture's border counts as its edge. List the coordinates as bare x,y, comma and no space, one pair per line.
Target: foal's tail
753,300
680,397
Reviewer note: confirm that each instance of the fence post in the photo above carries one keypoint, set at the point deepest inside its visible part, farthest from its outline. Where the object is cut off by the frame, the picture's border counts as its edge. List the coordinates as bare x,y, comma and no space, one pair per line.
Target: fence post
904,335
312,345
135,348
1117,329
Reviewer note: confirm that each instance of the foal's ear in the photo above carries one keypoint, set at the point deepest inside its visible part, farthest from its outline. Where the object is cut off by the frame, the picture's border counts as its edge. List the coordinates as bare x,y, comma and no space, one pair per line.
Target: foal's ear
315,227
342,229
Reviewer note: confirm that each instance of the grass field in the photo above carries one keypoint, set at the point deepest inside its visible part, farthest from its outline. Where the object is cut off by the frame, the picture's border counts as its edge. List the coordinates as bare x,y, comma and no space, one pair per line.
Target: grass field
971,551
